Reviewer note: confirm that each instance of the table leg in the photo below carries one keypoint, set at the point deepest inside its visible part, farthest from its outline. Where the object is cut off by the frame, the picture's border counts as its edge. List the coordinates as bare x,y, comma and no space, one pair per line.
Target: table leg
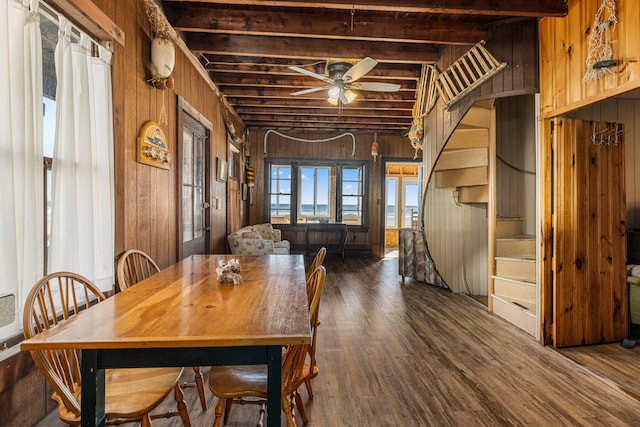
274,385
93,382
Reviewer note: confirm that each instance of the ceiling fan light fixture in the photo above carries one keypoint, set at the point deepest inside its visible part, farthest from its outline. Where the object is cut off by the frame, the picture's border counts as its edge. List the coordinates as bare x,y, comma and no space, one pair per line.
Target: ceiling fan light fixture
334,93
350,96
332,101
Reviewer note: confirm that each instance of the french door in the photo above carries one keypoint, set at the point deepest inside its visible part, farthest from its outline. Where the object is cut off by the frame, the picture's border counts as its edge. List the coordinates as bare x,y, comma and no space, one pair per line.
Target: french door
194,236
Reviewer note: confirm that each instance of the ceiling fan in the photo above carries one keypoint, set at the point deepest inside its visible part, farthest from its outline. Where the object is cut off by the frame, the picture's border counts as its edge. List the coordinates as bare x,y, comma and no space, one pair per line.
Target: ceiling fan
342,81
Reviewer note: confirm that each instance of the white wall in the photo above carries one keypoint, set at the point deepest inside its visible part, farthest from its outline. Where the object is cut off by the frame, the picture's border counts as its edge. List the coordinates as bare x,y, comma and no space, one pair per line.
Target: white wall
516,145
457,236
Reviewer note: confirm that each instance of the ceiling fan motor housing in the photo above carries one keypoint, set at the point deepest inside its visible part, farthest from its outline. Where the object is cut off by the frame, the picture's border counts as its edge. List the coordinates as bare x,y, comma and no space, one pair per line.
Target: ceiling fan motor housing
337,69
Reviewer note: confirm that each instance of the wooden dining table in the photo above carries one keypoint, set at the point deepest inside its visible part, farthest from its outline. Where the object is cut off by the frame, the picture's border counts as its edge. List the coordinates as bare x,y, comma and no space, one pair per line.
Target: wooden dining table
183,316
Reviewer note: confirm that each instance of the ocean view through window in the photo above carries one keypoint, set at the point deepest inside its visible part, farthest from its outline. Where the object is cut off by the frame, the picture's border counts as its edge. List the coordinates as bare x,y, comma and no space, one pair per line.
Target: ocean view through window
323,192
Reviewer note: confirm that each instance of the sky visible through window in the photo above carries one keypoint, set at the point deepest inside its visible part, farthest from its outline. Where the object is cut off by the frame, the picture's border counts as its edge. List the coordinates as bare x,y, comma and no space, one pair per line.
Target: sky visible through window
314,191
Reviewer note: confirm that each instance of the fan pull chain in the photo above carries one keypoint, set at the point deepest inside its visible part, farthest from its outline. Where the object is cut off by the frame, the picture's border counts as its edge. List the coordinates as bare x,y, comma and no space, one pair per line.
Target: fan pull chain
353,12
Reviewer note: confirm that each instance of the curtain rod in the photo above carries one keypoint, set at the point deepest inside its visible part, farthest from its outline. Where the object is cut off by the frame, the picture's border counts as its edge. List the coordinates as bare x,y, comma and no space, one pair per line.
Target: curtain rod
54,16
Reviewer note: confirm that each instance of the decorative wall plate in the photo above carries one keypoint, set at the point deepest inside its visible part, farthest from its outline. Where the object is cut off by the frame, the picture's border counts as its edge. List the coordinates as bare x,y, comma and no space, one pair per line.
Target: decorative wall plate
153,146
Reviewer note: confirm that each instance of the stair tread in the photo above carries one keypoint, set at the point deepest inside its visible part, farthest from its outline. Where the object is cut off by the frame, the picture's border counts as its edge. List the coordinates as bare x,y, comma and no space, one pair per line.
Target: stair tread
515,279
523,306
518,237
521,258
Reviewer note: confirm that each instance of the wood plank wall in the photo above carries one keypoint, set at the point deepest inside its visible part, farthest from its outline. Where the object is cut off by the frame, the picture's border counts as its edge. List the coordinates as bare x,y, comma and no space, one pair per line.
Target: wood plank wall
146,206
146,197
391,147
563,53
563,50
590,289
458,235
517,45
627,112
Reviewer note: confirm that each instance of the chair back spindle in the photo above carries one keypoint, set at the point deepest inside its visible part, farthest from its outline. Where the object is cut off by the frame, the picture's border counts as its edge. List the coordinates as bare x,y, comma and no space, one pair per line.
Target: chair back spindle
134,266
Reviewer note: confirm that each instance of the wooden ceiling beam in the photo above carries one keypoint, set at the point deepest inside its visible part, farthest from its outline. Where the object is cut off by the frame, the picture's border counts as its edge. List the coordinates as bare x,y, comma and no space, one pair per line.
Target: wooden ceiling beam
347,112
326,119
285,92
296,82
387,71
310,49
525,8
315,103
378,127
330,24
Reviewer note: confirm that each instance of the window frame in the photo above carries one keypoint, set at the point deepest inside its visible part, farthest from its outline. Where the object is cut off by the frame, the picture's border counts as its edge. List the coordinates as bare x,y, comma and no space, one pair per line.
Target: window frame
295,165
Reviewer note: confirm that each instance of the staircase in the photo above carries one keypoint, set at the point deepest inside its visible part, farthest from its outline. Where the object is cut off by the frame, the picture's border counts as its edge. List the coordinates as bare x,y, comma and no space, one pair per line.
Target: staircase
514,282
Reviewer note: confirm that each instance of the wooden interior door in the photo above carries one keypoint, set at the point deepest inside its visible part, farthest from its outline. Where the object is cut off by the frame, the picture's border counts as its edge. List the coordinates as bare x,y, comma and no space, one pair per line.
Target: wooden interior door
590,299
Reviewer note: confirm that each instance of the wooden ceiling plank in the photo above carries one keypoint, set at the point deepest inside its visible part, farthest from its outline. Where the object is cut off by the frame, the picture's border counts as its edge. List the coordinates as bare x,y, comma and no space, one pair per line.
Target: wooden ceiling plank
310,49
318,104
246,92
326,119
351,112
331,25
531,8
387,71
261,115
295,81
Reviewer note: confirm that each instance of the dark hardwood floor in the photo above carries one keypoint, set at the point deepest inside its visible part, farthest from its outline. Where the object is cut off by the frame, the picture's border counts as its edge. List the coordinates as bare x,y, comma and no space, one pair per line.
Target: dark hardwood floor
415,355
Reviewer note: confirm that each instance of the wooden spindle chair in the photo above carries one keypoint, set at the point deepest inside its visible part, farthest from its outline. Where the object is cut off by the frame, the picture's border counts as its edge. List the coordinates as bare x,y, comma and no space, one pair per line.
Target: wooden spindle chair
315,285
130,394
134,266
317,261
248,384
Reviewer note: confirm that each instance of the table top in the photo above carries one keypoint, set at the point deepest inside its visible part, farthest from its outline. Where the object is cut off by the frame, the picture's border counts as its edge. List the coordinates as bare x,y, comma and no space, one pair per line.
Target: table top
185,306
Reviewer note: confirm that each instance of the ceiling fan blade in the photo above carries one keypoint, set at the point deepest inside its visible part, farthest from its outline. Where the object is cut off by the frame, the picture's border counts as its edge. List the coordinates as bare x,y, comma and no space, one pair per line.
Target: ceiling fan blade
313,89
312,74
376,87
359,69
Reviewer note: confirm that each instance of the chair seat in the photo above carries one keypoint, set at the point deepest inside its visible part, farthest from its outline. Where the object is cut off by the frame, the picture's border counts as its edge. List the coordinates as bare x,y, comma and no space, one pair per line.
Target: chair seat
142,388
235,381
309,372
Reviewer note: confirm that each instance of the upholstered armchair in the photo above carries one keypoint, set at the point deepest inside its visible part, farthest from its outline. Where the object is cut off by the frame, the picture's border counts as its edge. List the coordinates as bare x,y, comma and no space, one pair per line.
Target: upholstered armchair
259,239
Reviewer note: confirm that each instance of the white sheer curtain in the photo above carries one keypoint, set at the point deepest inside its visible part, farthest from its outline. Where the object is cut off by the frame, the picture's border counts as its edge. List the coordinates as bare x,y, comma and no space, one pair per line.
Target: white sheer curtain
21,167
82,189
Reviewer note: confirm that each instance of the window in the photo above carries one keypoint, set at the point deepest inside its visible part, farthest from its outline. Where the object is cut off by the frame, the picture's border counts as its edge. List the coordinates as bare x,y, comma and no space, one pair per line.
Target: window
193,180
235,161
323,192
64,155
410,202
352,195
314,194
392,203
49,30
280,194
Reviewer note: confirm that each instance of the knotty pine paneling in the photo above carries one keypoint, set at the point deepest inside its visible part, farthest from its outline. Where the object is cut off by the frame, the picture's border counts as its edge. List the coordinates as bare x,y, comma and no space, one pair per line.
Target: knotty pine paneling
591,304
391,146
627,112
563,53
146,197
